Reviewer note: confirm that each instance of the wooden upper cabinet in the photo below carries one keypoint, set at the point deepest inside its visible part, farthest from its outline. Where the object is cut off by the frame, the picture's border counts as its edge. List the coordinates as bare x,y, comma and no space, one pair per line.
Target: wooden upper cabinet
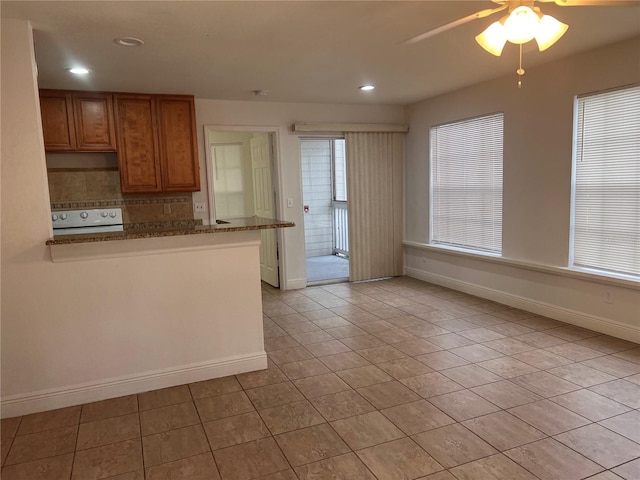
154,135
95,127
138,153
58,126
157,149
178,148
77,121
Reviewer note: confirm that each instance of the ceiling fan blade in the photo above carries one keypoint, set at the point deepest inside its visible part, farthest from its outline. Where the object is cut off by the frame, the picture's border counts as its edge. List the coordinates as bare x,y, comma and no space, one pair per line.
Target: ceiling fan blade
594,3
455,23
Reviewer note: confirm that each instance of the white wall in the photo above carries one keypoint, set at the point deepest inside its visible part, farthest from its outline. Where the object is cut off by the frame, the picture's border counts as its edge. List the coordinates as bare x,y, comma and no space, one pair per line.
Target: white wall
280,117
538,123
86,330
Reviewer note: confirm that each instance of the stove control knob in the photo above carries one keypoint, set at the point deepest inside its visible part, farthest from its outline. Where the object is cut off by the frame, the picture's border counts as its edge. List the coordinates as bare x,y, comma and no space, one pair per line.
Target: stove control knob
84,215
54,217
63,216
112,214
104,214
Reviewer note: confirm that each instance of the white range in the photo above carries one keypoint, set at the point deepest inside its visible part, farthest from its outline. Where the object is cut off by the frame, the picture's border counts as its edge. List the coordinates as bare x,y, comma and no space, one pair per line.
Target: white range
73,222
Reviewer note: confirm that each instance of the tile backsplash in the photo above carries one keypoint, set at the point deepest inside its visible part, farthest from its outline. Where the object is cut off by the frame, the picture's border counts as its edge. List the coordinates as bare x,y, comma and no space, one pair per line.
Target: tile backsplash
76,188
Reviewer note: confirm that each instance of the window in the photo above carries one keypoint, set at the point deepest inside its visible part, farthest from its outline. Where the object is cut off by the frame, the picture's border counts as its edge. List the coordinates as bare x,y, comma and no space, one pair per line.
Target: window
606,182
228,180
339,171
466,184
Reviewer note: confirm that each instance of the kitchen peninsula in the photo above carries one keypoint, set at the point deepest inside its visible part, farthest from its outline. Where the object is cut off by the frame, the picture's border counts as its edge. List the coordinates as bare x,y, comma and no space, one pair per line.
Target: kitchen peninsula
177,305
133,232
154,239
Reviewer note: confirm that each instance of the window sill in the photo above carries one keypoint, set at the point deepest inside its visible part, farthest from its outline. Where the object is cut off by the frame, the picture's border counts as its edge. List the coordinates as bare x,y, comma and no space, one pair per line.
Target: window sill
571,272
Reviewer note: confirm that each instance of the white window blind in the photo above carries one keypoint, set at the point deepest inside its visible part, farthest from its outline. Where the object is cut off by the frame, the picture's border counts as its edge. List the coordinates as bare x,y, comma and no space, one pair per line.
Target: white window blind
466,184
606,207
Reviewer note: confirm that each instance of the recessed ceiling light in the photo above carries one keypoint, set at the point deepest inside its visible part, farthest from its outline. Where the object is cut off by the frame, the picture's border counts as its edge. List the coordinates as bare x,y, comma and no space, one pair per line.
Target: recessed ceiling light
79,70
367,88
128,41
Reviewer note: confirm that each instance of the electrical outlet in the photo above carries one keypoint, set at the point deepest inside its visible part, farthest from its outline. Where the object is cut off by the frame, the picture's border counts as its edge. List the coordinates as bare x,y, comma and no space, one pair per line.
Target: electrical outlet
424,257
199,207
608,296
167,208
289,202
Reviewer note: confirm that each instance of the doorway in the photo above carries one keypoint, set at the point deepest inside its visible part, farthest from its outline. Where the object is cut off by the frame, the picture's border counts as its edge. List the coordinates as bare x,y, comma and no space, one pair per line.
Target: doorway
240,178
324,193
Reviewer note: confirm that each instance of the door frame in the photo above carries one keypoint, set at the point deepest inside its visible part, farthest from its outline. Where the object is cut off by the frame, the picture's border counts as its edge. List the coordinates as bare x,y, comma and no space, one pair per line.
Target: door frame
319,136
277,133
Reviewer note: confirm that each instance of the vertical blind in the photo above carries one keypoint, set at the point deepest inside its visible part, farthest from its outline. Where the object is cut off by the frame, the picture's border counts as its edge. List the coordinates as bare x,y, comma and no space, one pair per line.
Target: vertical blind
606,209
375,185
466,183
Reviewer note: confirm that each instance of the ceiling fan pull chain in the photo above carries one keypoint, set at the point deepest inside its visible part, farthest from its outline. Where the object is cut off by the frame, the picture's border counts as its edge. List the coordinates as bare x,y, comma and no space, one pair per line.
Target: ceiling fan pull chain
520,70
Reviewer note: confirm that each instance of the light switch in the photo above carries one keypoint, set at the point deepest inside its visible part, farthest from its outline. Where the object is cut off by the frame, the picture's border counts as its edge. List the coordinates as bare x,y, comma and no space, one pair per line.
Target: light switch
289,202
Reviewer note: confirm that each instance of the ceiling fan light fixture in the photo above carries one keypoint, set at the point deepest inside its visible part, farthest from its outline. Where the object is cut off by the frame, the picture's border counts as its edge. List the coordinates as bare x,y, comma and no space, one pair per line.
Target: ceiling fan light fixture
521,25
493,38
128,41
549,32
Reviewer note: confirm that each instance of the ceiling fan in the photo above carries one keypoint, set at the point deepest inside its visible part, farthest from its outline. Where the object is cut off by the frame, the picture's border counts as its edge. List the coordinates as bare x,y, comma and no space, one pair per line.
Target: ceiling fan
523,22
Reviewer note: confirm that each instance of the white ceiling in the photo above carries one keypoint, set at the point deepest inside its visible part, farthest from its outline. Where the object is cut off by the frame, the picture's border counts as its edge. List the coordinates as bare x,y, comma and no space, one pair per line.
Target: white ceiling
300,51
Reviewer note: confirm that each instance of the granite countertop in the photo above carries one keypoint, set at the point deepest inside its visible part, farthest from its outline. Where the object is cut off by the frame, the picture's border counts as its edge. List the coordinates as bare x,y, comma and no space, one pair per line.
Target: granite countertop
158,230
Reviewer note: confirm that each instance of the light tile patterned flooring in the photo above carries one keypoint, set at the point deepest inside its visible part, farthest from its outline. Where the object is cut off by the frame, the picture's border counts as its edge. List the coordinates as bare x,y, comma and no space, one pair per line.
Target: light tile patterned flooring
388,380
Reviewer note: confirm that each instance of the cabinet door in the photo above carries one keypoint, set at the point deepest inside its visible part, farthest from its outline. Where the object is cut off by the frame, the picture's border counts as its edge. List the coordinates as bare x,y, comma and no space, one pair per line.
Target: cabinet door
95,129
56,109
178,147
137,139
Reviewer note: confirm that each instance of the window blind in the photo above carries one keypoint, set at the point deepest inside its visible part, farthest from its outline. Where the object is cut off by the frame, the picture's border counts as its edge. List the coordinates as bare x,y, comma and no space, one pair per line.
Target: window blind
606,208
466,183
375,190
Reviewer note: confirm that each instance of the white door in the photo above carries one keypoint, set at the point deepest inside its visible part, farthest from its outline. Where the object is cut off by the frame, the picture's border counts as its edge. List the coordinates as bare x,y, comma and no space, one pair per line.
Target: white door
264,202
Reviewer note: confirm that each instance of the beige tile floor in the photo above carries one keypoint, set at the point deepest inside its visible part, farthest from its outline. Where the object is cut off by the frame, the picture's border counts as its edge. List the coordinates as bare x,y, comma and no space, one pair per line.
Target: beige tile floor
389,380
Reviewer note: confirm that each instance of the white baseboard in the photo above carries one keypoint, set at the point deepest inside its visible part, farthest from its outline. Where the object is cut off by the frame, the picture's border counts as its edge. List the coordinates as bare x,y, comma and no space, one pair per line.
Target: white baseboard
296,283
580,319
16,405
